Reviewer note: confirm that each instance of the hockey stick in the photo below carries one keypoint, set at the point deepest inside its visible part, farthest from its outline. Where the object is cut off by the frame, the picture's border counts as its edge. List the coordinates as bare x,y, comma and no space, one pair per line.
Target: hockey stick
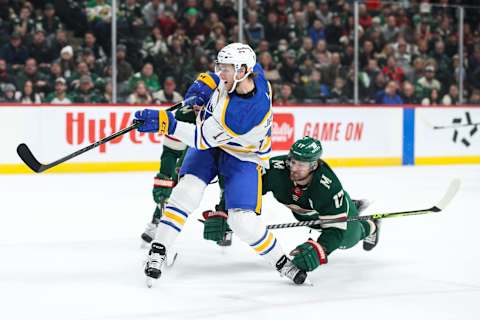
27,156
441,205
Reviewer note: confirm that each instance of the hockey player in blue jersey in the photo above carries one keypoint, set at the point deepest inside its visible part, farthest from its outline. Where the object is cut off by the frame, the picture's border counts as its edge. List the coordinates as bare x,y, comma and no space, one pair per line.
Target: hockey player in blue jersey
231,139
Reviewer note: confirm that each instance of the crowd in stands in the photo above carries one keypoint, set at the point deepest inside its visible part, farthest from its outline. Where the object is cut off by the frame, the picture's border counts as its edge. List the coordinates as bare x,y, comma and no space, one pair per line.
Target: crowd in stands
59,51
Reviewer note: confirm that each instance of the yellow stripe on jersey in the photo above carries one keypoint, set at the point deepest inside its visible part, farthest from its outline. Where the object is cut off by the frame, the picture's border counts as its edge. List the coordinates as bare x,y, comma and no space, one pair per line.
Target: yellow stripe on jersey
208,80
258,208
265,244
174,217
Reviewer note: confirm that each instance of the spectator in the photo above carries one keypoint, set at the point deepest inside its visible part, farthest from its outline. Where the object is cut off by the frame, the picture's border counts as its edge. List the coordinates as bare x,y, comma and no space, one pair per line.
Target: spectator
339,93
433,99
427,83
324,14
333,70
289,69
49,22
59,96
473,70
389,95
154,45
124,69
67,62
14,52
23,23
274,30
254,30
408,94
168,95
90,42
316,31
31,72
443,62
82,70
5,76
192,25
140,95
59,43
86,92
417,71
390,30
147,77
315,88
285,95
452,97
28,94
107,96
40,50
151,12
8,93
392,71
271,73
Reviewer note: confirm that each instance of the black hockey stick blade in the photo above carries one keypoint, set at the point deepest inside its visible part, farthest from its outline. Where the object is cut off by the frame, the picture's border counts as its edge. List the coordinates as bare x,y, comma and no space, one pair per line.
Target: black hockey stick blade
27,156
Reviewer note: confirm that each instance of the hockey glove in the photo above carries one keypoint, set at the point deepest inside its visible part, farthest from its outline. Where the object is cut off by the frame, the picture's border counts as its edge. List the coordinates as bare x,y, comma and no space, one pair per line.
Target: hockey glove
160,121
162,187
309,255
215,225
202,88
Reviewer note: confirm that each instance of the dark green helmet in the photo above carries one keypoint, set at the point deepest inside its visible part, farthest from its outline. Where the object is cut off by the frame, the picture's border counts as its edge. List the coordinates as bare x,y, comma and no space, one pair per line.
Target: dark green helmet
306,149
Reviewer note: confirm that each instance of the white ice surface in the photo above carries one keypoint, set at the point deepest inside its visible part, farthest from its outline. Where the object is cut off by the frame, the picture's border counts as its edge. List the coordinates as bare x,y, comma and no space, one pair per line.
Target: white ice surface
69,249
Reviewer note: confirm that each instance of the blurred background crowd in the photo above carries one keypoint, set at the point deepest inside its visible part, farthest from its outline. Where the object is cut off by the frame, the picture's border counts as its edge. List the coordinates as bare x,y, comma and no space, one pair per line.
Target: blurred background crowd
60,51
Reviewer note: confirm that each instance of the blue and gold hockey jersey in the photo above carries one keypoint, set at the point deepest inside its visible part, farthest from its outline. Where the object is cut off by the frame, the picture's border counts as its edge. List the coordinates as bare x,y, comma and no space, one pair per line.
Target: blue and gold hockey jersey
240,126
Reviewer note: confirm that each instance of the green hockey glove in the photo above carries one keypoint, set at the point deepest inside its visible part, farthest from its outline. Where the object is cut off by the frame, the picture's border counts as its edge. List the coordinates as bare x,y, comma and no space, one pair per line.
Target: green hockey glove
309,255
215,225
162,187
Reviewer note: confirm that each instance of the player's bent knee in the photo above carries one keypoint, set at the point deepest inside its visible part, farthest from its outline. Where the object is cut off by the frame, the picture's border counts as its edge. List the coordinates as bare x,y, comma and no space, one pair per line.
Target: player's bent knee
245,224
188,193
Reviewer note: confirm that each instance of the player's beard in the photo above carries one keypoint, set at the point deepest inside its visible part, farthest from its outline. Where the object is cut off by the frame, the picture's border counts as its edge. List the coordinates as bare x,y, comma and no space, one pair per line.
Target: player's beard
300,176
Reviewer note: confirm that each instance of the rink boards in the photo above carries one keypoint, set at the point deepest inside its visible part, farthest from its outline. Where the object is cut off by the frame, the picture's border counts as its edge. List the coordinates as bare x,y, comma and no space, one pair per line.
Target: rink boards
351,135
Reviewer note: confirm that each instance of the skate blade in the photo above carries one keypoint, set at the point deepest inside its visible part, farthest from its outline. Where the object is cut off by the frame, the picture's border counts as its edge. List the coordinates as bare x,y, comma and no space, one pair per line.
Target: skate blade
308,283
149,282
171,262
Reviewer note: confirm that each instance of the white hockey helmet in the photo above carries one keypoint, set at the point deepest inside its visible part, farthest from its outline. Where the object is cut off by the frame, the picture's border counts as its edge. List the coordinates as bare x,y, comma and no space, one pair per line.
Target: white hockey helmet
238,55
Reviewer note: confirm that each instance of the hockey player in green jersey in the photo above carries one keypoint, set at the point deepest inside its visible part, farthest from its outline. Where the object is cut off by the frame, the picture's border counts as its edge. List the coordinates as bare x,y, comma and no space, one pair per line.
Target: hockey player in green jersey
311,190
164,181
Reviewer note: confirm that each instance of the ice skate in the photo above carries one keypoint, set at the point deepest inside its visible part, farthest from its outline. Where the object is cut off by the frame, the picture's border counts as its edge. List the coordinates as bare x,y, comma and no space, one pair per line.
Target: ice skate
286,268
156,259
149,234
227,239
371,241
361,204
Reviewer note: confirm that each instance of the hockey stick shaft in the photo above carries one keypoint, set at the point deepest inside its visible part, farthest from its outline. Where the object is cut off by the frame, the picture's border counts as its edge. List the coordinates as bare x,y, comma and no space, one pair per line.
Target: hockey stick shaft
447,197
29,159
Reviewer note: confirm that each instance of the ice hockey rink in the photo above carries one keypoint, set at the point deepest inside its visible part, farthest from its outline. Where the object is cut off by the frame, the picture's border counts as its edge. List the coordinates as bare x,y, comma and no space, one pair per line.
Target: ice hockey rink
70,249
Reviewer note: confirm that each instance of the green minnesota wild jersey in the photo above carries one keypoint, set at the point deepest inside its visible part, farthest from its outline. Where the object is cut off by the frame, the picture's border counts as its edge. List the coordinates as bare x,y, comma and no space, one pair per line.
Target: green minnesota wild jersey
174,150
323,198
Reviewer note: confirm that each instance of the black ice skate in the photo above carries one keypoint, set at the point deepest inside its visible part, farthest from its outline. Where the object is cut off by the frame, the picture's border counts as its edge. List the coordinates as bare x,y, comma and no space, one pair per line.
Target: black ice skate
371,241
286,268
361,204
227,239
156,259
